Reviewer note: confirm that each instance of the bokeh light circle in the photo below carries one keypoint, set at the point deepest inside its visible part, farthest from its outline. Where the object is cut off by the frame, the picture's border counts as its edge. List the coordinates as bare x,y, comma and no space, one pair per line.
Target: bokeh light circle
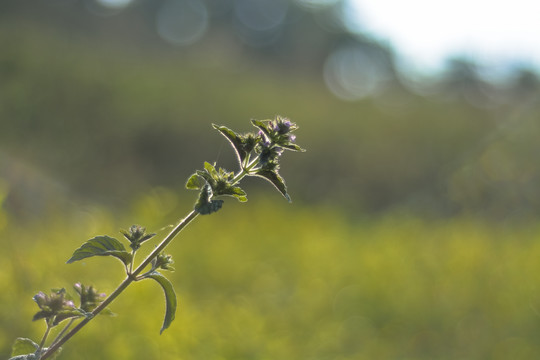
115,4
261,15
352,73
182,22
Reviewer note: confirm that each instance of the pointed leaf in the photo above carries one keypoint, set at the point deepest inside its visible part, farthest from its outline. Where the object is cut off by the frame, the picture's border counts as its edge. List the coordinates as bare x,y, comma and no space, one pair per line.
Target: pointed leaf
276,180
235,141
41,315
211,169
239,193
206,176
293,147
194,182
68,314
235,191
170,298
262,126
23,346
102,246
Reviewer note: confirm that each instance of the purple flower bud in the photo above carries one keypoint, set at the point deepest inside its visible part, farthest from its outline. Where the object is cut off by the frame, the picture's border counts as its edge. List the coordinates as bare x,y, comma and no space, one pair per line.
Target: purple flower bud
40,298
282,126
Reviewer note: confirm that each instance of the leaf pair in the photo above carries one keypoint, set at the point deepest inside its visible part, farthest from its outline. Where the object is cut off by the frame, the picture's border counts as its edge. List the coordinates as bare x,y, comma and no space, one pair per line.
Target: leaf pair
109,246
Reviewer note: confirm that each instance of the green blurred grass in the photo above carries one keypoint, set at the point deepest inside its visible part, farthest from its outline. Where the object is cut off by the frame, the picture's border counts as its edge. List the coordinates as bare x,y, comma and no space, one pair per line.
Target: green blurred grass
268,280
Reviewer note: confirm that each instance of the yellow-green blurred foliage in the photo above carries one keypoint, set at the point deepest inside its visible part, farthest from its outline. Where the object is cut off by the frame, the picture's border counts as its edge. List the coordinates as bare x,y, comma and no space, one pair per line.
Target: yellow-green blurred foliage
269,280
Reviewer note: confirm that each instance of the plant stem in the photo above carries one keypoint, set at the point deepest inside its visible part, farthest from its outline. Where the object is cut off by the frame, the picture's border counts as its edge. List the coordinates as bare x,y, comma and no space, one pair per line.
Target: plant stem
42,344
131,277
245,171
131,262
61,333
192,215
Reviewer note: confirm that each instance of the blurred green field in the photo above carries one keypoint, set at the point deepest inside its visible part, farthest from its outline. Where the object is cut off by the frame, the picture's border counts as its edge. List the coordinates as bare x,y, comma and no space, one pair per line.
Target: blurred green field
269,280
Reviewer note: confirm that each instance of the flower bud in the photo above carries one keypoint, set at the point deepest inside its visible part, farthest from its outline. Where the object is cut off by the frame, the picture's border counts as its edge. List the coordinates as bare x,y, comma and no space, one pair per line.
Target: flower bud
90,297
54,307
163,261
136,236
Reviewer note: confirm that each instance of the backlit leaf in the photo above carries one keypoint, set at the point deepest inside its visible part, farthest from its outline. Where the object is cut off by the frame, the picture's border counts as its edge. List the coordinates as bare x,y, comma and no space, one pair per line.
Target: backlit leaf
23,346
262,126
205,205
194,182
101,246
292,146
235,141
276,180
211,169
170,298
209,207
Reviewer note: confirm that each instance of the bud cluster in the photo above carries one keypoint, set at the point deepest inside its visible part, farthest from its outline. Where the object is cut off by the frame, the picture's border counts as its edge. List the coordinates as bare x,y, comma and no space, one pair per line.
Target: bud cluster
162,261
59,306
136,236
258,154
90,297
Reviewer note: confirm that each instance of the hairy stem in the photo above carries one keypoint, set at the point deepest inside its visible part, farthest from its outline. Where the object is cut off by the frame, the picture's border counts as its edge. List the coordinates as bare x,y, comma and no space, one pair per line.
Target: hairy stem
131,277
131,262
42,344
61,333
244,172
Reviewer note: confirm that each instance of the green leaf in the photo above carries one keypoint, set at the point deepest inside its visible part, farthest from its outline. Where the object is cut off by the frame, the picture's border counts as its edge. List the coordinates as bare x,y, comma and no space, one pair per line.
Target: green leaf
211,169
170,298
235,140
206,176
195,182
68,314
276,180
239,194
41,315
235,191
102,246
23,346
209,207
293,147
205,205
24,357
262,126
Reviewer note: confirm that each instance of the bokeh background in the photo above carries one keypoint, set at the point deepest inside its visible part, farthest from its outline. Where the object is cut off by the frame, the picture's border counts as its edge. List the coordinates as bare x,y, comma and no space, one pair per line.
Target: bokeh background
413,231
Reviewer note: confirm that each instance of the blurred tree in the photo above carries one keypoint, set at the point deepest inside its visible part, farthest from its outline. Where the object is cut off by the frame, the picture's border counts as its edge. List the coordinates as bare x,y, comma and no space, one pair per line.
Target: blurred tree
461,80
525,83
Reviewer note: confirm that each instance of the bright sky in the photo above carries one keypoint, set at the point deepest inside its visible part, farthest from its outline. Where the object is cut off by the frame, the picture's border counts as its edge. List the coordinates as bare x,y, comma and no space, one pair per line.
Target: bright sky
427,31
